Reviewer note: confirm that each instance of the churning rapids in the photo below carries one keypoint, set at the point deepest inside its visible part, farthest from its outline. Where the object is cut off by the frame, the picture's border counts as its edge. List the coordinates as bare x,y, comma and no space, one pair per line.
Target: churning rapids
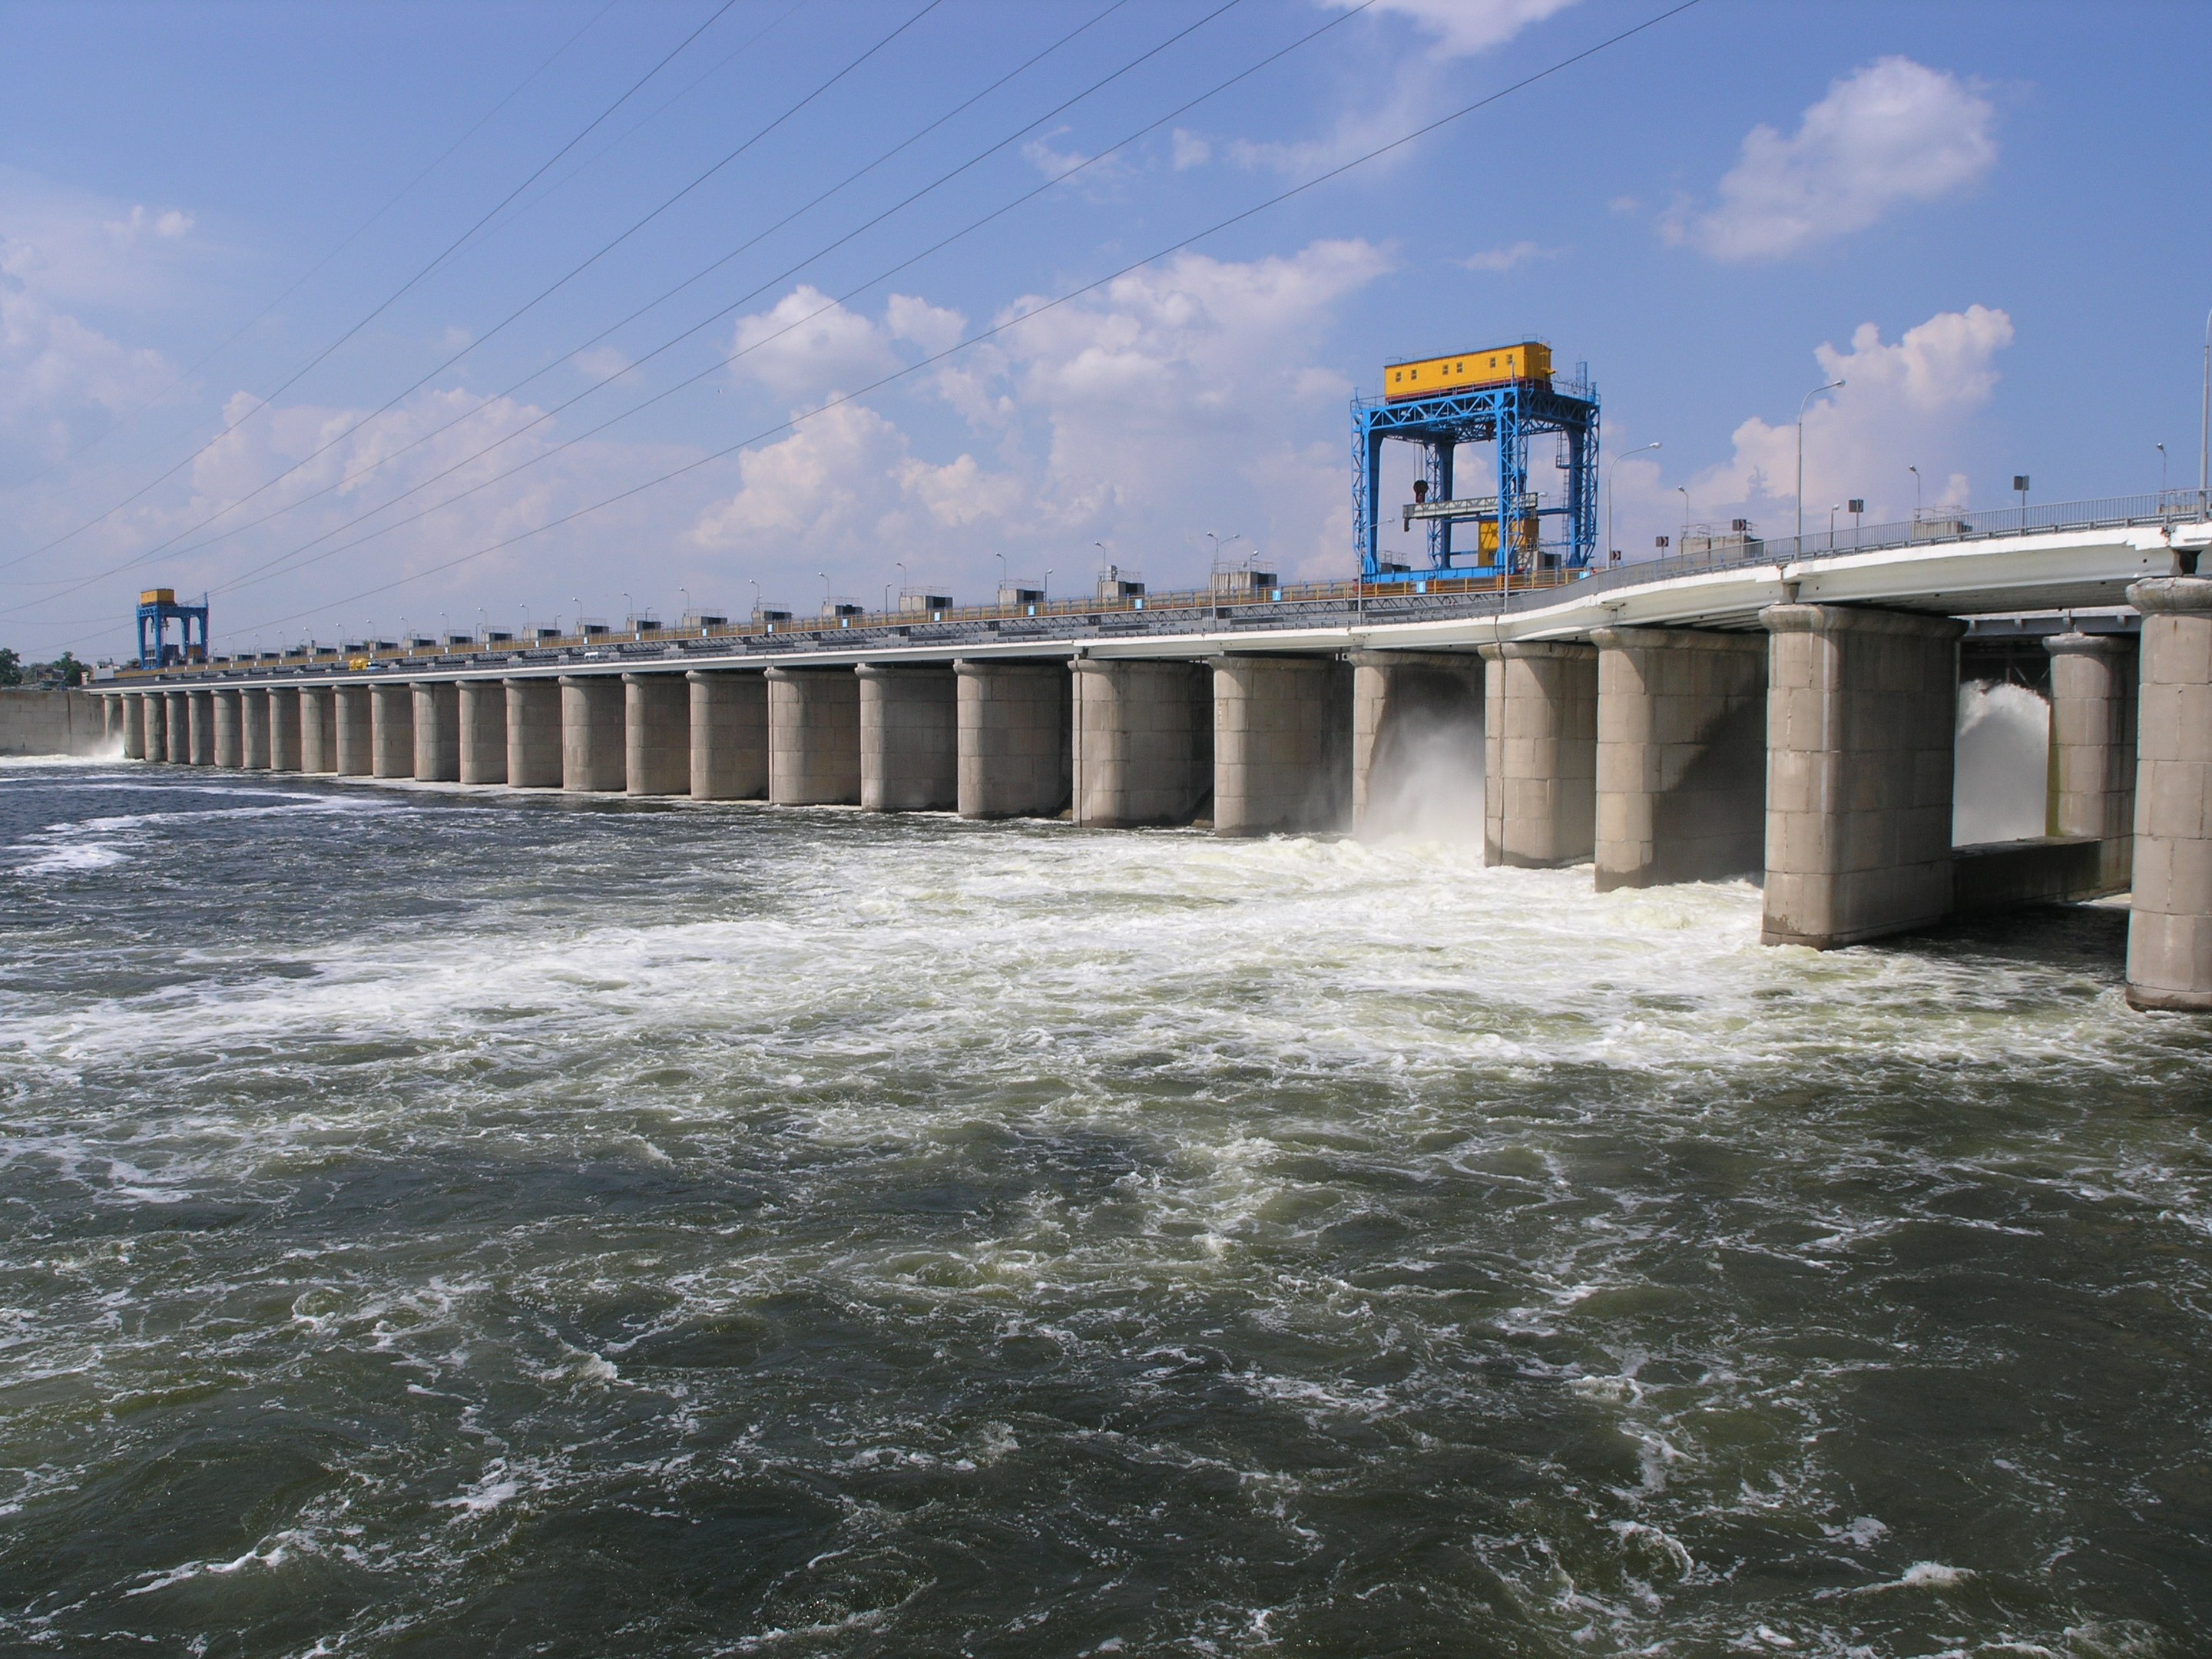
501,1224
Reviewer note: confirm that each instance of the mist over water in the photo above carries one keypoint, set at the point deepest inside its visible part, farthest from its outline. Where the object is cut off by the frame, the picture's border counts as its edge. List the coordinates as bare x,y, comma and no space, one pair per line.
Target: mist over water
509,1224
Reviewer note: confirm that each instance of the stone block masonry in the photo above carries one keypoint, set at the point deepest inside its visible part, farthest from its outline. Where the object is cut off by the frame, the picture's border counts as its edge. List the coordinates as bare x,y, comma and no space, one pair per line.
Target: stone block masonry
909,760
656,735
356,749
1861,723
392,731
1015,759
1681,755
1540,741
534,734
813,737
592,737
2170,932
437,731
2092,749
483,714
729,735
1282,744
1144,742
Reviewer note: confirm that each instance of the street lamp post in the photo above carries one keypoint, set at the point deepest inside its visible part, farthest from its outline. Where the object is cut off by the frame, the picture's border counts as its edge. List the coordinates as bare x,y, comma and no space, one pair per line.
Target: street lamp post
2161,477
1915,471
1682,546
1802,401
1611,547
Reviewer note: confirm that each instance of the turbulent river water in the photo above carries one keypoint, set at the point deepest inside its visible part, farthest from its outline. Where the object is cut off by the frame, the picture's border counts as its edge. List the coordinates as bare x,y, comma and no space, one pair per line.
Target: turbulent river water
499,1225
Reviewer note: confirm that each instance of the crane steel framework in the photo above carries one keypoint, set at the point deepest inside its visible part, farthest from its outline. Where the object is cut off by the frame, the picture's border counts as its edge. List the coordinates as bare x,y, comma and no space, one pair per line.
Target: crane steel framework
1507,414
157,609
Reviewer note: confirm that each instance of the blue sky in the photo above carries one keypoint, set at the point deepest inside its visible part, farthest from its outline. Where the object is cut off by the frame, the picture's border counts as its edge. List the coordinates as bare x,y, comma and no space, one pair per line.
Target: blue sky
1986,218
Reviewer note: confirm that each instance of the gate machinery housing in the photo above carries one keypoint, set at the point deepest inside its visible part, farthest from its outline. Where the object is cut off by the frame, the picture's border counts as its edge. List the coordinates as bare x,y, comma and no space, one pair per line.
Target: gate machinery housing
1504,396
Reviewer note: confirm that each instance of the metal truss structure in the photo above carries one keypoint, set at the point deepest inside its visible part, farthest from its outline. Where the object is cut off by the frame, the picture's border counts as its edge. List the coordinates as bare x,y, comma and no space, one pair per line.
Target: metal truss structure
1538,533
154,616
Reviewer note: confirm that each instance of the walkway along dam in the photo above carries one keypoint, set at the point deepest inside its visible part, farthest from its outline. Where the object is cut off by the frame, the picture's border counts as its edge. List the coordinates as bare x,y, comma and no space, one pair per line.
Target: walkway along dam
1790,709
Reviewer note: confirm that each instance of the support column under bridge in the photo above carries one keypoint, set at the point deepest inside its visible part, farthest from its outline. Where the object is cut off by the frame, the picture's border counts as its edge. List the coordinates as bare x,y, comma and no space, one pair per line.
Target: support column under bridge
592,740
729,735
355,750
909,760
2093,699
319,729
483,719
656,734
813,737
438,730
392,731
1282,744
253,730
1013,738
227,707
134,725
1144,741
1681,755
1862,728
2170,932
534,734
1539,741
283,717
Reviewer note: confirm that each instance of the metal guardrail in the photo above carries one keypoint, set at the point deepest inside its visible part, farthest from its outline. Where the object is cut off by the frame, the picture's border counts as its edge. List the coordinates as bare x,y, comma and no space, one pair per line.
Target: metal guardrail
1166,615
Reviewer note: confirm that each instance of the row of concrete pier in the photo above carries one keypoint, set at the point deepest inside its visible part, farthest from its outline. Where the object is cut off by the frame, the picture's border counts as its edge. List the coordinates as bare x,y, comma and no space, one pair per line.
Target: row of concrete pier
1819,750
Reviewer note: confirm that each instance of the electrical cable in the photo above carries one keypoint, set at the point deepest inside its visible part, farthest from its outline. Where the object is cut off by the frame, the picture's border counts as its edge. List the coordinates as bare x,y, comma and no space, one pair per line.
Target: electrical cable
997,329
315,269
544,294
570,353
389,301
266,571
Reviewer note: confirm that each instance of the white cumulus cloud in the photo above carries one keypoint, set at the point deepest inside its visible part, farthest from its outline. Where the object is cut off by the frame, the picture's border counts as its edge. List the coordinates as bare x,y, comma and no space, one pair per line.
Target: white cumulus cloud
809,345
1465,26
1896,132
1903,405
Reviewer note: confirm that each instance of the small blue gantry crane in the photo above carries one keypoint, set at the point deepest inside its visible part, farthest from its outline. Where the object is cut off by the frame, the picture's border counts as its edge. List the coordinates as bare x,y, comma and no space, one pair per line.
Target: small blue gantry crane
157,609
1502,396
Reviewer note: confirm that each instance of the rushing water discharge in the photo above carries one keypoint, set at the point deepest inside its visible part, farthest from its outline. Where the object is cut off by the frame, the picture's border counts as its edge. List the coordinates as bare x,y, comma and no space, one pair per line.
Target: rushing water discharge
498,1224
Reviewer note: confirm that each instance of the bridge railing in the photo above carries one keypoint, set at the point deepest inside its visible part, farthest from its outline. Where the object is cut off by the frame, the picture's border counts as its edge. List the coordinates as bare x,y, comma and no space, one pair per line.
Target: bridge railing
1932,525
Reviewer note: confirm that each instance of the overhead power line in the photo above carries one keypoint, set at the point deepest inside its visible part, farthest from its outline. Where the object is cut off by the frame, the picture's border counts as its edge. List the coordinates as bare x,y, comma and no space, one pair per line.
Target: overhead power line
315,269
535,301
391,299
997,329
264,571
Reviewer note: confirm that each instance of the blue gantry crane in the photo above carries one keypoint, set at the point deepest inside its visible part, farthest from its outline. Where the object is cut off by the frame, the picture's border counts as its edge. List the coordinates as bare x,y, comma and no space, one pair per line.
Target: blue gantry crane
157,609
1503,396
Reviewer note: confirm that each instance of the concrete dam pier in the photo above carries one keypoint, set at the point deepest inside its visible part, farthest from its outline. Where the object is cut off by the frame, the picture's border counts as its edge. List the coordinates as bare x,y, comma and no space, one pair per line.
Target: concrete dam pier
1816,750
1790,713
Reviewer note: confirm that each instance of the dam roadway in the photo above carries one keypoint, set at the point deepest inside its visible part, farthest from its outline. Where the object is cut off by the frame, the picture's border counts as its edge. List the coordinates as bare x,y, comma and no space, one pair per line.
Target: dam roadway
1789,709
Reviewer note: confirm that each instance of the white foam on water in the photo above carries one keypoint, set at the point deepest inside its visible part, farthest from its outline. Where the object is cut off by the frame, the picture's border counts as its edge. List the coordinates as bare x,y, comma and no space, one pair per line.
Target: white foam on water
2000,790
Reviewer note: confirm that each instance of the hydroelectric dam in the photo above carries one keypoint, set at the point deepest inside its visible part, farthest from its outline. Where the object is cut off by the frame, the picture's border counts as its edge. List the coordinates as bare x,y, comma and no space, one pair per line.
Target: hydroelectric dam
1784,707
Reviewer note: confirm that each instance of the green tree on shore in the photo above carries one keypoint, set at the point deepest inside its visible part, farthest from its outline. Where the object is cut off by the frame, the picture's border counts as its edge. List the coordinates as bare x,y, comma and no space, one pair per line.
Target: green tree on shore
11,667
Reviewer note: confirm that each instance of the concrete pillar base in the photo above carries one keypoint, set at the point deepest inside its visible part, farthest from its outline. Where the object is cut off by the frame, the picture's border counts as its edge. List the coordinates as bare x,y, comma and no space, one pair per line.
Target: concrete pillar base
319,729
283,717
656,734
482,718
908,756
1282,745
1014,759
437,731
2092,749
1417,751
356,727
592,737
134,725
229,747
253,730
1681,755
2170,927
176,727
1539,751
533,734
729,735
392,731
813,737
199,728
1861,733
1144,742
